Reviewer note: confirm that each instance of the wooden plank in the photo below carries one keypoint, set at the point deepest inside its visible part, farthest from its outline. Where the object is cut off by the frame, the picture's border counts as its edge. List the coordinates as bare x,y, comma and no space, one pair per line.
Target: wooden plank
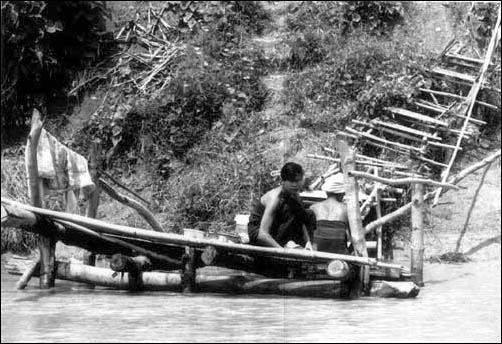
472,97
416,116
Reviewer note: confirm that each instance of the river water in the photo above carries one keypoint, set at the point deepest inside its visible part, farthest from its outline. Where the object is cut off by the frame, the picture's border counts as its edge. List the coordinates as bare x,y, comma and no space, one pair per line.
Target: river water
460,303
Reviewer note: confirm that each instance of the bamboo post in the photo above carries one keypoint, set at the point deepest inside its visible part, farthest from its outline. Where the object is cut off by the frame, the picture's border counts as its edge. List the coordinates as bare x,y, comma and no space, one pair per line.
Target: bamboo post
417,234
348,164
94,160
188,273
469,212
46,244
378,196
93,201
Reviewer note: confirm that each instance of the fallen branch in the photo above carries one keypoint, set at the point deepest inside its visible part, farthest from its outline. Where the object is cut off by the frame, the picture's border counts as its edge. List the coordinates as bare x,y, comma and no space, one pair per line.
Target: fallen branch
122,186
147,215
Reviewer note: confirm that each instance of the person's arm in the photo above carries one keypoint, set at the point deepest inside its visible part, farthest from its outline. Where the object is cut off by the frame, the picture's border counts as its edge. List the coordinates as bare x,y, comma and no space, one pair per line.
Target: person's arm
264,237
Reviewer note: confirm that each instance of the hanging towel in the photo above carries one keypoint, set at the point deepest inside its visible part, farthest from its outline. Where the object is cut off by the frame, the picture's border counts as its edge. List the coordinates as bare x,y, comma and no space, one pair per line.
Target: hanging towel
68,163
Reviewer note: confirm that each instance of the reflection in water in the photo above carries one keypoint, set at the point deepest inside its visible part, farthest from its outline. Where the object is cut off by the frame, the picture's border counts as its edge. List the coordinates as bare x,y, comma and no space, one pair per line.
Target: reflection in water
460,303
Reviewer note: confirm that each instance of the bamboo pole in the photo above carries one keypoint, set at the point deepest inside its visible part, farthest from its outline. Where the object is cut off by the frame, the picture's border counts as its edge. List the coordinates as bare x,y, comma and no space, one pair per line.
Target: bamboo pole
471,207
370,158
47,244
378,197
28,273
471,99
416,116
147,215
402,180
348,159
388,130
406,129
170,262
384,141
417,234
176,239
358,162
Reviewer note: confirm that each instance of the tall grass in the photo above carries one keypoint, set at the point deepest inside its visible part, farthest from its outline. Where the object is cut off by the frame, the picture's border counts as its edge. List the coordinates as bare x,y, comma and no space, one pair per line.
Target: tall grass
14,186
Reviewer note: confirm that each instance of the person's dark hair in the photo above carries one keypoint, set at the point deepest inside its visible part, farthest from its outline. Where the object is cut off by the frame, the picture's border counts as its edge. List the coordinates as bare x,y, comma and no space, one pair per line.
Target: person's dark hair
290,171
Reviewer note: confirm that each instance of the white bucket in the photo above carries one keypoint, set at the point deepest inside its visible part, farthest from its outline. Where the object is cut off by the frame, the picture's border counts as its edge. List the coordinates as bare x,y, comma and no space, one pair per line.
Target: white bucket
193,233
241,227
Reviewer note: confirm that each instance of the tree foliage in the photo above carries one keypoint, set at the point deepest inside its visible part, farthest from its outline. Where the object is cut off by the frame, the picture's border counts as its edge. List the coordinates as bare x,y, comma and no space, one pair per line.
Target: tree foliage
43,42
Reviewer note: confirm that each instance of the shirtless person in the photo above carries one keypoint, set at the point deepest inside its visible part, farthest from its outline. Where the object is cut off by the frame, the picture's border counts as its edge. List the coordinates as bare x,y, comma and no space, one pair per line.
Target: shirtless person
332,219
279,217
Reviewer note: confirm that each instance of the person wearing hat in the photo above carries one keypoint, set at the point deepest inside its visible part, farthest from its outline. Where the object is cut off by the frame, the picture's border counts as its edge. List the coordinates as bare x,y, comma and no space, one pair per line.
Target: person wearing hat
278,219
333,232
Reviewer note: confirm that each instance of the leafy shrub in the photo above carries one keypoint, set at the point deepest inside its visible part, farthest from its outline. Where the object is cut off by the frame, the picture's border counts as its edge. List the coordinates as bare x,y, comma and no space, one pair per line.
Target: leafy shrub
43,42
216,69
342,17
306,49
376,17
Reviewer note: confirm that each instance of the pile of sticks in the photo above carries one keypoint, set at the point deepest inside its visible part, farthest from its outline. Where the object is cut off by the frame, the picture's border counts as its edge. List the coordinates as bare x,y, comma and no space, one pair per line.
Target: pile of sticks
144,63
